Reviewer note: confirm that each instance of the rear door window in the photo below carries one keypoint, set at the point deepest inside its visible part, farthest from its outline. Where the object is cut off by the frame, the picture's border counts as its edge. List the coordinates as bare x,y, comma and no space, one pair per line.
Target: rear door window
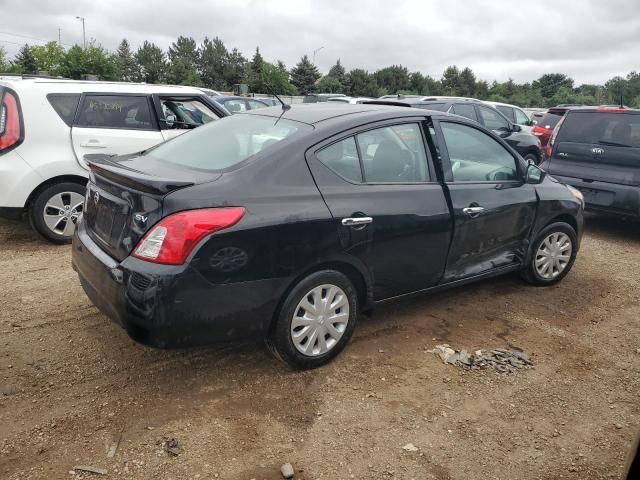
65,105
507,112
131,112
615,129
464,110
492,119
185,113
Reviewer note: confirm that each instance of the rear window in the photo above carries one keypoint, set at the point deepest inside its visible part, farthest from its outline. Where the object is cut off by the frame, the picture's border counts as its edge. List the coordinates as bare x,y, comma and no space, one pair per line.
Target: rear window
549,120
431,106
65,105
606,128
220,145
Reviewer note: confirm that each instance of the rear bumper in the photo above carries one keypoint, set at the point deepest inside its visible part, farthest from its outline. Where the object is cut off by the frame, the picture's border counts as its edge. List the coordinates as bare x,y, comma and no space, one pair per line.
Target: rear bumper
607,197
167,306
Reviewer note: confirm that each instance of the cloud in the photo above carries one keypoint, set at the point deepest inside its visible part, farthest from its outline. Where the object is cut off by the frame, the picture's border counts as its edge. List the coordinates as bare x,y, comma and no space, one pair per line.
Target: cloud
588,40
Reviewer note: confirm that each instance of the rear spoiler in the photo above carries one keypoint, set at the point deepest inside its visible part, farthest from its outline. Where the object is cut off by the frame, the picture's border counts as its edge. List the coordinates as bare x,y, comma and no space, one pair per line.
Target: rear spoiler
106,167
385,102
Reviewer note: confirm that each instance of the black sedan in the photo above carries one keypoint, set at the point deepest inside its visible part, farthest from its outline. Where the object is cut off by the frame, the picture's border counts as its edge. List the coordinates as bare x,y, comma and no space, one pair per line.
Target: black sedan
289,223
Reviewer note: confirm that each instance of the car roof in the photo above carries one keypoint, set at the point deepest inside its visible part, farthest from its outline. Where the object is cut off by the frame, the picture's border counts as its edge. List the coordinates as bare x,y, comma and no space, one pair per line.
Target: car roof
502,104
313,114
57,85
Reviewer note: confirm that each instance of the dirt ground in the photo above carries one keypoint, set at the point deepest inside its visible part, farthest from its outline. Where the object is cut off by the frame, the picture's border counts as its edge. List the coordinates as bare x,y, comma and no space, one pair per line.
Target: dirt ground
71,381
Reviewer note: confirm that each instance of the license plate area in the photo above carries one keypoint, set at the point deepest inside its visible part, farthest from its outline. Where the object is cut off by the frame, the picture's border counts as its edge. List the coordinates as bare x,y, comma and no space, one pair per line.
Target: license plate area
106,215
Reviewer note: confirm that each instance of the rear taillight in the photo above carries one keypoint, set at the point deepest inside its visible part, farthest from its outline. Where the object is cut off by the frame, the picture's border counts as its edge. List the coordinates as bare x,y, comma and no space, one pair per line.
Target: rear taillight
172,239
10,126
554,135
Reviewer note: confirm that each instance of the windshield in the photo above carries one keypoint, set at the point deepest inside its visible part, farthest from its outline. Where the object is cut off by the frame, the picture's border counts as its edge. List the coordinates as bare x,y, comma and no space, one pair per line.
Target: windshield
220,145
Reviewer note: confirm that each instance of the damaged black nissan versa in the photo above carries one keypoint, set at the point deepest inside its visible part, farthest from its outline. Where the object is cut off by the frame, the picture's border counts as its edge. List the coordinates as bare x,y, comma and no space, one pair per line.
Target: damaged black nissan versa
289,223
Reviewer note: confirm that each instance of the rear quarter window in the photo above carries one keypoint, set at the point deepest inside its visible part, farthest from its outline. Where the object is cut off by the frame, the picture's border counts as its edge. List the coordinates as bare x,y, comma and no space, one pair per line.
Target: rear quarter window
65,105
129,112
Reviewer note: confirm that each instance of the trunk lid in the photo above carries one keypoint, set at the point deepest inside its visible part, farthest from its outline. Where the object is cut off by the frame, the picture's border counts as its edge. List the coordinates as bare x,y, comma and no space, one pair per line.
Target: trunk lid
125,195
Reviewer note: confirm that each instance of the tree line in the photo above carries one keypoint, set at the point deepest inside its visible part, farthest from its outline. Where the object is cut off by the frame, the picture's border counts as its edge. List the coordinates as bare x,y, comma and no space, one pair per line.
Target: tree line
211,64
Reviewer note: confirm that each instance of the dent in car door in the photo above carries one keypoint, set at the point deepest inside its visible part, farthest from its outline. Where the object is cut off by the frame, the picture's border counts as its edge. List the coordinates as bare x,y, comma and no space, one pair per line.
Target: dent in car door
114,124
389,214
493,208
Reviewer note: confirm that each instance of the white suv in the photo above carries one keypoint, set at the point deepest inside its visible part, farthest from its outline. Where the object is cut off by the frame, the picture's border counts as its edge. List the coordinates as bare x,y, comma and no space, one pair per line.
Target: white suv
47,126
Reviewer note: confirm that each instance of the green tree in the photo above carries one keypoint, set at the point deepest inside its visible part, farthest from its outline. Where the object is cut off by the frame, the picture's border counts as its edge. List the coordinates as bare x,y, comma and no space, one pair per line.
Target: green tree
4,65
25,61
361,83
183,62
78,63
550,83
616,88
212,61
329,84
304,76
394,78
282,67
451,82
467,85
417,83
151,63
338,72
274,79
125,64
234,69
255,73
48,57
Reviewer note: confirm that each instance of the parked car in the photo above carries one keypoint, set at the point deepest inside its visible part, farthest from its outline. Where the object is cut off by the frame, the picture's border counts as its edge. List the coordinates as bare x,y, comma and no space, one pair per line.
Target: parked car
524,143
515,114
597,150
239,104
320,97
220,234
545,125
210,92
351,100
48,125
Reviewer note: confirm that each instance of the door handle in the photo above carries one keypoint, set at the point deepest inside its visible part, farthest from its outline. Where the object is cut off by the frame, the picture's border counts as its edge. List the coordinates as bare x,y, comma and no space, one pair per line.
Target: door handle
473,212
356,221
93,144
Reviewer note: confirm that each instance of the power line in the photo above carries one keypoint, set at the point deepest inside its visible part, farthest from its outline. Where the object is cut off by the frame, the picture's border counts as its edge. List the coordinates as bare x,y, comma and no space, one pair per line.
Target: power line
29,38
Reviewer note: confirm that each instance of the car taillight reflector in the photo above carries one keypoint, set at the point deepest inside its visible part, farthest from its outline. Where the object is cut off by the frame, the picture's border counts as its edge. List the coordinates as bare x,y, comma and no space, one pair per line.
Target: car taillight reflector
174,237
10,127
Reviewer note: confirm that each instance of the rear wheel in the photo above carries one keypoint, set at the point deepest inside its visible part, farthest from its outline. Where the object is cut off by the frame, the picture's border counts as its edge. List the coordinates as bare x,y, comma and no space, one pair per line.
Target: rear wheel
316,320
554,253
56,209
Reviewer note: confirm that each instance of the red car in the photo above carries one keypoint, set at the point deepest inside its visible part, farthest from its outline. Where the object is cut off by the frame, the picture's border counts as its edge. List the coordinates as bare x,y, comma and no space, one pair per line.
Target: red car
544,128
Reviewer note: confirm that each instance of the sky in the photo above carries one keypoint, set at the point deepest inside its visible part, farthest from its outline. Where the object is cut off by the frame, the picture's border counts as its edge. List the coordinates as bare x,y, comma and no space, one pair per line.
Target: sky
590,40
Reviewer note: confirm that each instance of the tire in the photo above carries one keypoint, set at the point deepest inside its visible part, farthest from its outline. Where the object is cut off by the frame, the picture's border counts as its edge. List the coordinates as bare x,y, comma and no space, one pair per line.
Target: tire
557,235
288,340
55,210
530,157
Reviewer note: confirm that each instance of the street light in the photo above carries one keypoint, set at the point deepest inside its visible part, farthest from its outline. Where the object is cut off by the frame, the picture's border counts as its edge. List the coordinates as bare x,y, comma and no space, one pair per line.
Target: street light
314,54
84,38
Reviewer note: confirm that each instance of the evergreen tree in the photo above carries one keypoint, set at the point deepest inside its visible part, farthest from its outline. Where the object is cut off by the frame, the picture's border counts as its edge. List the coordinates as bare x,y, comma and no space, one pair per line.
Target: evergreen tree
183,62
125,64
359,83
329,84
467,85
3,60
234,71
304,75
151,63
255,73
393,79
337,72
282,67
25,61
451,83
212,61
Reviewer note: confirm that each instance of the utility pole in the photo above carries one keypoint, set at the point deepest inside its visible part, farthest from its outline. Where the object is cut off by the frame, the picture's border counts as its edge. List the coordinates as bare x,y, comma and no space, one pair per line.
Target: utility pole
84,38
314,54
59,37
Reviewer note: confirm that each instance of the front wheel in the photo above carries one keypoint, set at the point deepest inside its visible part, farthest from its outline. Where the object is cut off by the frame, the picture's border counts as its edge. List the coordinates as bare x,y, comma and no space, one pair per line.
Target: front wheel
554,252
56,209
316,320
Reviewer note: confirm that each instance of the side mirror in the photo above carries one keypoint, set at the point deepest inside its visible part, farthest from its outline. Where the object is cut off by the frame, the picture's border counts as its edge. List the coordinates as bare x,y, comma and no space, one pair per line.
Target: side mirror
534,175
516,128
170,119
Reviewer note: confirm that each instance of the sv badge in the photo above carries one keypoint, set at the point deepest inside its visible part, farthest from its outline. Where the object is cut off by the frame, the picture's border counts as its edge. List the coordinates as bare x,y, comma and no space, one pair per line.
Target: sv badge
141,218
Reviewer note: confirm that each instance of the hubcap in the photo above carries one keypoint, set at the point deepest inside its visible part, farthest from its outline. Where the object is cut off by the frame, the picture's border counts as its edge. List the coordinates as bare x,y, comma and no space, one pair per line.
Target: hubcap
553,255
61,212
320,320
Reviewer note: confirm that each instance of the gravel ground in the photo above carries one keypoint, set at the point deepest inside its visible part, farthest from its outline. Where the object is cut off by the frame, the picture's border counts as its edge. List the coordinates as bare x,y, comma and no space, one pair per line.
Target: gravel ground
71,382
